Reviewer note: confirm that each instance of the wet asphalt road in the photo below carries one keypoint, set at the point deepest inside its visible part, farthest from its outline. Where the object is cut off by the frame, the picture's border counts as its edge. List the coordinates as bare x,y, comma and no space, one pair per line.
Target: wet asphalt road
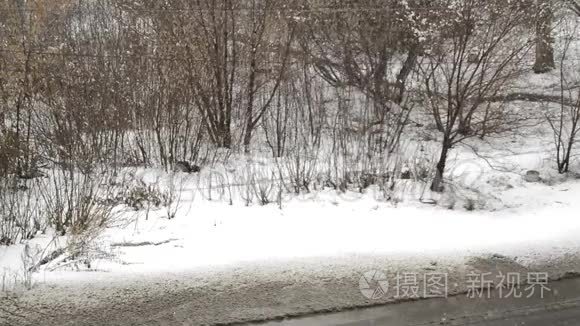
219,299
559,306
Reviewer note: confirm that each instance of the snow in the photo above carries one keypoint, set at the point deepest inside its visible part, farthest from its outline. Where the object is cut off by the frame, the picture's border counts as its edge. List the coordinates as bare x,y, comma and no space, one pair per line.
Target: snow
208,234
511,217
218,238
530,221
309,245
297,251
219,263
329,227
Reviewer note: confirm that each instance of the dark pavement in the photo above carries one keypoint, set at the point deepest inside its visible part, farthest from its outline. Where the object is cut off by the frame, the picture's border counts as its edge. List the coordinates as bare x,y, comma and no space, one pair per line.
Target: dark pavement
559,306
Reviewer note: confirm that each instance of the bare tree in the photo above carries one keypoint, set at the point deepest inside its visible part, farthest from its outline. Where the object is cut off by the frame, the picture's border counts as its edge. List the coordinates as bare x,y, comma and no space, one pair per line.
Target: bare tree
374,51
544,40
566,123
481,47
574,5
19,42
267,52
203,36
25,34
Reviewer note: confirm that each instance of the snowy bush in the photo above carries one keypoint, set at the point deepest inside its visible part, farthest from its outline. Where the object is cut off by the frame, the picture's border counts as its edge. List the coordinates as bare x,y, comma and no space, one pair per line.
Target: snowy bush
76,202
20,217
142,195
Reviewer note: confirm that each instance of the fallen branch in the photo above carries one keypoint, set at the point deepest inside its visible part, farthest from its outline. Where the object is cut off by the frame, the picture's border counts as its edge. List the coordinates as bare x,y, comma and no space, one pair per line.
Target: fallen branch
529,97
47,259
142,244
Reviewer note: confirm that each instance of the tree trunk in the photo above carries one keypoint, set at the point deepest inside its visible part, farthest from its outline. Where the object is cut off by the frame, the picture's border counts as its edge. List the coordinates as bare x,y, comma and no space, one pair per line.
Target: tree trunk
437,184
404,73
544,42
250,107
224,136
3,128
248,135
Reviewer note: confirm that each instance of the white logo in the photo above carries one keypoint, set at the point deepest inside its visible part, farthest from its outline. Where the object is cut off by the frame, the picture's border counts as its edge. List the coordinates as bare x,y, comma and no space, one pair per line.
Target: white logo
374,285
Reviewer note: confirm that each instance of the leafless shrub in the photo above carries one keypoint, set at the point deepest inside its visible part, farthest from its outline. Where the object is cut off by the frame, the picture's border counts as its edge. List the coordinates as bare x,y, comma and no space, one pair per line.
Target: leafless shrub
8,154
29,258
142,195
20,211
256,184
139,194
476,54
265,186
76,202
173,194
299,171
566,123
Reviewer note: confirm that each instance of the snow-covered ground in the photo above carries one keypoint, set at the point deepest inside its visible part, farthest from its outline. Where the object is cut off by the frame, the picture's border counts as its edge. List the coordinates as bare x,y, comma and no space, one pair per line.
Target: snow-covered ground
213,234
240,260
215,226
214,256
220,263
305,253
535,218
